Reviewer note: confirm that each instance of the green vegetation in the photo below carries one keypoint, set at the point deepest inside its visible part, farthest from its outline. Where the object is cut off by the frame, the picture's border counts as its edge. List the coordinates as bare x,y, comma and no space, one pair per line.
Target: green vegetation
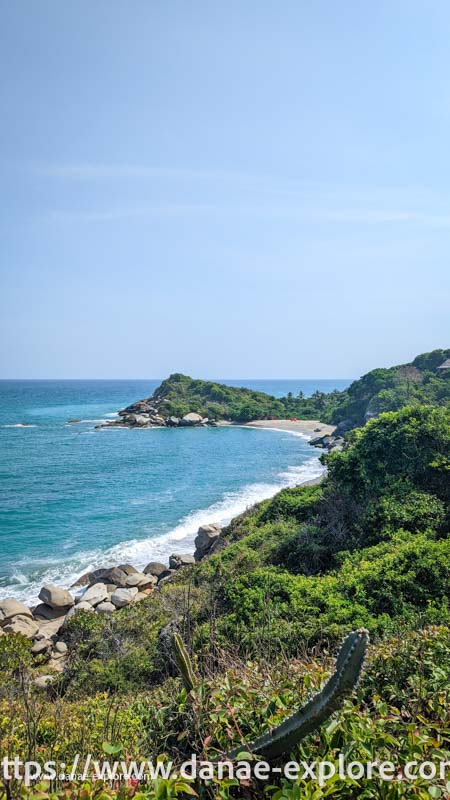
367,548
380,390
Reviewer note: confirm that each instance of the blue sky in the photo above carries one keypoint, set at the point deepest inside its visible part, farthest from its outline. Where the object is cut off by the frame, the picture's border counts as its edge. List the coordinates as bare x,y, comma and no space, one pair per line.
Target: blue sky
239,189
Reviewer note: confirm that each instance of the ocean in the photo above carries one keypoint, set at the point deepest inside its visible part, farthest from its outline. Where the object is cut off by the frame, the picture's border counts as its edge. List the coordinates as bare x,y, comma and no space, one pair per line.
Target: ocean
73,498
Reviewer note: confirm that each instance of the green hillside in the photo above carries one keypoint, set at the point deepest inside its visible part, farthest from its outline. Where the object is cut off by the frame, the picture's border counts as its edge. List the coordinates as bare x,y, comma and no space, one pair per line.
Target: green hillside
420,382
261,618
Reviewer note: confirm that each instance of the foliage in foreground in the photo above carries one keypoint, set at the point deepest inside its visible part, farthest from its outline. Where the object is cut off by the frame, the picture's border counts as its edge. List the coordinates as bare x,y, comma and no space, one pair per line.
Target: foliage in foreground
400,713
369,547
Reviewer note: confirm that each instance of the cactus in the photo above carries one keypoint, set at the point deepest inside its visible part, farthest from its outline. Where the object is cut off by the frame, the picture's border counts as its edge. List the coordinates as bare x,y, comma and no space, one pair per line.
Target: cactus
184,663
347,670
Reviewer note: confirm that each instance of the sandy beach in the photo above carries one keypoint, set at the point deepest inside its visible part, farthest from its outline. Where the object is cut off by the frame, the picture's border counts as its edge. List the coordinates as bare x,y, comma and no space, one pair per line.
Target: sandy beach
309,427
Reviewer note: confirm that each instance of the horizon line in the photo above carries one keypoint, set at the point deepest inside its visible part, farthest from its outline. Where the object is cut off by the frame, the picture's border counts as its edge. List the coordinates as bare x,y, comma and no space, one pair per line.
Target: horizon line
297,378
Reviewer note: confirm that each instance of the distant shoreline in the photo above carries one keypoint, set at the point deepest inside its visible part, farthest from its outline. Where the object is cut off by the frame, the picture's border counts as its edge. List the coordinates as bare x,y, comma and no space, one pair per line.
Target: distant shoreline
307,427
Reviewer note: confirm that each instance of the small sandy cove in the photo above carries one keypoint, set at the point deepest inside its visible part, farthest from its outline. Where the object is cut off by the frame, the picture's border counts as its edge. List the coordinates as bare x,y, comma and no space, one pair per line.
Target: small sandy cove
309,427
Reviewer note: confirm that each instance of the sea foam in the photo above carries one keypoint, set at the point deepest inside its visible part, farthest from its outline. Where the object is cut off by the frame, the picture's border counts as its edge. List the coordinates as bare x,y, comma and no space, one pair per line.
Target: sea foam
140,551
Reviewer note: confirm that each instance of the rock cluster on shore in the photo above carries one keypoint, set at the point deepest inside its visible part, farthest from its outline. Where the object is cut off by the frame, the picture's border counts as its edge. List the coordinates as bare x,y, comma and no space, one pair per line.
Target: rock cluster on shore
145,414
335,440
102,591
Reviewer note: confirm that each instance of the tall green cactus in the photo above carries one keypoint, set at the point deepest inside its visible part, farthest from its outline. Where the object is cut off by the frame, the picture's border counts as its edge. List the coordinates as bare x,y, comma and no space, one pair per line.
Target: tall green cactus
183,663
347,670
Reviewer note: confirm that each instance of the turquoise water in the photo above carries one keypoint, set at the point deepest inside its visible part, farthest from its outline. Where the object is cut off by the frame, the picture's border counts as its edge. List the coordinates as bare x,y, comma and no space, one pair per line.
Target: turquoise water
74,498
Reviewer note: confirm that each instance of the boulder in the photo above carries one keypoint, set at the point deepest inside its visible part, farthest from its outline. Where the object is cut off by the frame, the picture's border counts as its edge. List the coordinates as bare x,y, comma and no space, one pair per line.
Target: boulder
142,581
61,647
83,580
41,647
95,594
114,575
105,608
22,624
123,597
154,568
81,606
43,681
10,608
178,560
166,576
219,544
43,611
56,597
173,422
140,420
317,441
206,536
128,569
191,419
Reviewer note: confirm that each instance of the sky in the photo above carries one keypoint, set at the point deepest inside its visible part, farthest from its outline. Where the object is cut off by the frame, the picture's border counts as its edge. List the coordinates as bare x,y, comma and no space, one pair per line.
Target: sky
240,189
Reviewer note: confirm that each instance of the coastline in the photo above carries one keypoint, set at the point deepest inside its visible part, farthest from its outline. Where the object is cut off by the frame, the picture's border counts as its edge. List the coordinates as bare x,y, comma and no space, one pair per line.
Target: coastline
304,427
107,589
185,544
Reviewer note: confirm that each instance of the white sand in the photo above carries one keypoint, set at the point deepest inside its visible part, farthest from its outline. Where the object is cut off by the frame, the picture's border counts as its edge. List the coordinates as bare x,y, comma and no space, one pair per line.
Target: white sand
309,427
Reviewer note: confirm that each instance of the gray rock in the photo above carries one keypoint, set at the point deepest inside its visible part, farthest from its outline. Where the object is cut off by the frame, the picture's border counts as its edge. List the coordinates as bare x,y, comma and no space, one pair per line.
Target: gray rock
142,581
154,568
10,608
43,611
61,647
178,560
114,575
128,569
24,625
123,597
56,597
105,608
206,536
41,647
95,594
343,426
166,575
81,606
43,681
83,580
191,419
173,422
338,444
317,441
